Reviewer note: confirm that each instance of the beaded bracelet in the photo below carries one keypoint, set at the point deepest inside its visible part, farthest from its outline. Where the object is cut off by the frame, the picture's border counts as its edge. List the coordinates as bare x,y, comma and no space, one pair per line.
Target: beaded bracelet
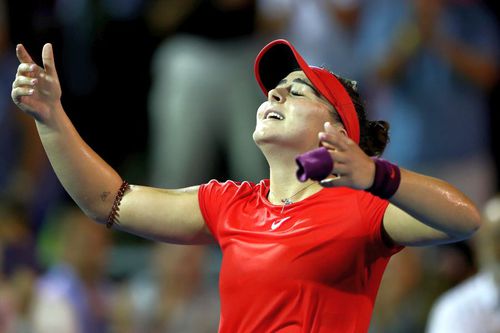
113,215
387,179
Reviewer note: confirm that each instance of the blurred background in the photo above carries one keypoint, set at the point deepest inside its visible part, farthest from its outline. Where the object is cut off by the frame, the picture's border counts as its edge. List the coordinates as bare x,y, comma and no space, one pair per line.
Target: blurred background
164,91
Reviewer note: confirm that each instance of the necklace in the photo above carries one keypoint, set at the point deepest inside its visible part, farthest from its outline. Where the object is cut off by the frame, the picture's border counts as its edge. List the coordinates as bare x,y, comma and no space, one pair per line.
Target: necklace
289,201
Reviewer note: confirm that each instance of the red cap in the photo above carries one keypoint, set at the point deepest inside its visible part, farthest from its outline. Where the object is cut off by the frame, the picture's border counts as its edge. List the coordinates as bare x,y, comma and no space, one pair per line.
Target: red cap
279,58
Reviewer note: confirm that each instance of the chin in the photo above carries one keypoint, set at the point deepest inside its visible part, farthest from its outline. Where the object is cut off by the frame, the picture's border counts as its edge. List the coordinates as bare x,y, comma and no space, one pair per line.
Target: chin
255,135
260,138
263,134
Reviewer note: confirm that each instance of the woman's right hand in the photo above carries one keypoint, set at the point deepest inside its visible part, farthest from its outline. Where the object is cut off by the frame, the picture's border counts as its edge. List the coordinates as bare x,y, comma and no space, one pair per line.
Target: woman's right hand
36,90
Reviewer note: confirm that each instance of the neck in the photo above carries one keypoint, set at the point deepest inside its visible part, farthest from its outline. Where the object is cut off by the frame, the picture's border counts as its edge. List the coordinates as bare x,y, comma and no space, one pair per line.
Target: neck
283,180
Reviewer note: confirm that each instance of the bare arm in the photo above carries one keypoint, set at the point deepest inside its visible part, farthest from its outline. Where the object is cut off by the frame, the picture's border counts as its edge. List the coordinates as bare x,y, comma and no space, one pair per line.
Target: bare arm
423,211
426,211
168,215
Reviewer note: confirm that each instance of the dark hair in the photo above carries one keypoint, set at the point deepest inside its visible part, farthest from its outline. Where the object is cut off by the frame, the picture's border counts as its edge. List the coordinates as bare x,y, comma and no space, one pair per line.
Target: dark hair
374,135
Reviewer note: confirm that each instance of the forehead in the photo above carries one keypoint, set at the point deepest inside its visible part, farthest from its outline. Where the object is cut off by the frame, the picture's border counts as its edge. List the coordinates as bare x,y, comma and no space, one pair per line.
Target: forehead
296,75
300,78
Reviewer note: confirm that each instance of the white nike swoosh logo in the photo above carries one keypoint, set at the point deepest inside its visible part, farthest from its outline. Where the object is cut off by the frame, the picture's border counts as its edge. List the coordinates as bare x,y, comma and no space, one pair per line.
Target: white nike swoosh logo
276,224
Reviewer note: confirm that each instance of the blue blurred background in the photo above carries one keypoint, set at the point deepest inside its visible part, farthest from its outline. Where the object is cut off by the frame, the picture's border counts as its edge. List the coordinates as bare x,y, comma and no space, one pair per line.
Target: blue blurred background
164,91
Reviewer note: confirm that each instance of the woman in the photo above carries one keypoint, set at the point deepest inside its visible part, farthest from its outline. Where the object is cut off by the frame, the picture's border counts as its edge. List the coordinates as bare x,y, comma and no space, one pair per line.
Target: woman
297,257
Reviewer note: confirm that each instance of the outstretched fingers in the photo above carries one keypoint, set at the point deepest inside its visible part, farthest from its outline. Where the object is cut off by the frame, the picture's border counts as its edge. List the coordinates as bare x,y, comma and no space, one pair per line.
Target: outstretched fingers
48,60
22,54
27,67
36,90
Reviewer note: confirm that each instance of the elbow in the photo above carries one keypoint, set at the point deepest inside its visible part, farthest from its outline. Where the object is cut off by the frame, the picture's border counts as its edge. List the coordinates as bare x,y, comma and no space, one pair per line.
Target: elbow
96,211
94,215
471,223
475,220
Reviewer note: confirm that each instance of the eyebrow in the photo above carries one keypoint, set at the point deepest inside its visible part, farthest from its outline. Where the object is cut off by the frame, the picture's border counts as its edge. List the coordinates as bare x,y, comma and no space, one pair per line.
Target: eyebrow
299,80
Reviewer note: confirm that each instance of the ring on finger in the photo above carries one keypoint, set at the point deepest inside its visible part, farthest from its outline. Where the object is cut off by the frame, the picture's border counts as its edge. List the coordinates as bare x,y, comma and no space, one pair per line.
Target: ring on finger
328,182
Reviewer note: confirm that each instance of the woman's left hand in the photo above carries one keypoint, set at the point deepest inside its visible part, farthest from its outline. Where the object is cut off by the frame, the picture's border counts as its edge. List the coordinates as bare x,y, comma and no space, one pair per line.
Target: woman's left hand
352,166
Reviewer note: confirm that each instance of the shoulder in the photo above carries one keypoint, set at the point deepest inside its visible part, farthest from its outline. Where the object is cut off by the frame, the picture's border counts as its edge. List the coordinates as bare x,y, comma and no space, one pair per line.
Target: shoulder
231,187
216,199
216,194
367,201
231,184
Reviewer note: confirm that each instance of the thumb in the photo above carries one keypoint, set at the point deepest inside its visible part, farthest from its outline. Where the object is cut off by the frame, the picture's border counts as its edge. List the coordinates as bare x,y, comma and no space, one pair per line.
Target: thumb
23,55
48,60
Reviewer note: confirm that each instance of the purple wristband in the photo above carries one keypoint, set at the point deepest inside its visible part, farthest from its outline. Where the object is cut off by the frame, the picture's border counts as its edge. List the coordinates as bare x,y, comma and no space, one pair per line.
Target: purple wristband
386,180
316,164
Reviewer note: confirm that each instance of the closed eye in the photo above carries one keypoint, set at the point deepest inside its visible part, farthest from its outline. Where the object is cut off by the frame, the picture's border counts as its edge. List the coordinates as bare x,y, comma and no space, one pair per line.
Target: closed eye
301,82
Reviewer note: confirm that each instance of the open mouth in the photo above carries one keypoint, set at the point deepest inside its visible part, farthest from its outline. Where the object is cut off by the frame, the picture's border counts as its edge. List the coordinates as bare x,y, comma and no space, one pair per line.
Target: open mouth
274,115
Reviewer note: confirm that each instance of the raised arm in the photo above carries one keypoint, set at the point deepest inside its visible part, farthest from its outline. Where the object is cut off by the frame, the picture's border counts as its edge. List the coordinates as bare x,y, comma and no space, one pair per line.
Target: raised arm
428,211
171,215
423,211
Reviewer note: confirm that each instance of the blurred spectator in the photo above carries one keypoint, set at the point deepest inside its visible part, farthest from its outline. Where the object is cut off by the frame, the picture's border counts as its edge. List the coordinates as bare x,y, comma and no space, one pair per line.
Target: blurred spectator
432,86
342,33
72,297
16,294
474,306
18,269
412,282
175,295
204,99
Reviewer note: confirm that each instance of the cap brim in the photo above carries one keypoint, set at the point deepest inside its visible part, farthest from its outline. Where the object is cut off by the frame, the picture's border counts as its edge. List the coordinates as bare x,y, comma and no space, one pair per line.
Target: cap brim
278,59
275,61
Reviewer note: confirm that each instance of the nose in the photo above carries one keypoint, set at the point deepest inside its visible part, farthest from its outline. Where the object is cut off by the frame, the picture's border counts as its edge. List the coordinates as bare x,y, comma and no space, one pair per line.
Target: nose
276,95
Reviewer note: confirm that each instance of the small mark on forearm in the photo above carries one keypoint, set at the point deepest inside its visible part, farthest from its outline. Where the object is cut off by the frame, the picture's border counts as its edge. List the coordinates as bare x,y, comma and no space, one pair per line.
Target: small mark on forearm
105,195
